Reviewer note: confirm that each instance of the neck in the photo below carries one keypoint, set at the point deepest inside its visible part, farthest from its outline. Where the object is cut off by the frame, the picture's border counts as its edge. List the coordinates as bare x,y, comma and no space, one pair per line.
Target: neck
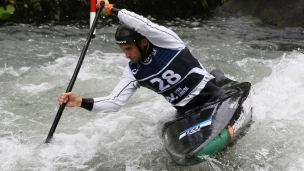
146,52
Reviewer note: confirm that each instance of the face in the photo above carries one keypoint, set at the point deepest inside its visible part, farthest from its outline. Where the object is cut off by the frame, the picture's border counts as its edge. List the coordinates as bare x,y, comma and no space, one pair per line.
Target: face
131,51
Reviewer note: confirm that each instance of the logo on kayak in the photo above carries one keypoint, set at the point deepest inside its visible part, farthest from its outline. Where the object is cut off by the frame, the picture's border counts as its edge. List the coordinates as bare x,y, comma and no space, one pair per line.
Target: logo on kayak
195,128
233,105
247,106
238,124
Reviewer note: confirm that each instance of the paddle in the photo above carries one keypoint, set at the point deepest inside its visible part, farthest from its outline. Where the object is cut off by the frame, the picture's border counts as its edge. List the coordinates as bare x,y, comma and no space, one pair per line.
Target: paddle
73,79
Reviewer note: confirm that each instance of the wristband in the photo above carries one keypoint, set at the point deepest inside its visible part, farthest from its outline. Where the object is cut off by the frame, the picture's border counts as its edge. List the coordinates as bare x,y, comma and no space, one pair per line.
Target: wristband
87,103
108,9
115,11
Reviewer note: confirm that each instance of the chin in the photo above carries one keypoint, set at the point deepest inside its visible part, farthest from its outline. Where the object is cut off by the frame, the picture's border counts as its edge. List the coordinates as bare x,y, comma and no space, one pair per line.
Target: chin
135,62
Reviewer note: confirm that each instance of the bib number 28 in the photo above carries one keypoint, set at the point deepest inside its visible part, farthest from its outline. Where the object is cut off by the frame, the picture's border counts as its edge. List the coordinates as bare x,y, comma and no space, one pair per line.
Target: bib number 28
168,78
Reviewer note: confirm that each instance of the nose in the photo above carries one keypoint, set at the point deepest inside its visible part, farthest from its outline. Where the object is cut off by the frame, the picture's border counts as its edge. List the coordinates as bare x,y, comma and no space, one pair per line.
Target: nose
128,55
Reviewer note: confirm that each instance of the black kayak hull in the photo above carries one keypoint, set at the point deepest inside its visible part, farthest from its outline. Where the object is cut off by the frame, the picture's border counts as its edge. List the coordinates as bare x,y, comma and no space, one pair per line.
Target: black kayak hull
210,128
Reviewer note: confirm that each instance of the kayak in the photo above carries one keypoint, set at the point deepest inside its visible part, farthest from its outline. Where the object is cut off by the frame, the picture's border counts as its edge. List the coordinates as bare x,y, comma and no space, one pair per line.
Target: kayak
205,130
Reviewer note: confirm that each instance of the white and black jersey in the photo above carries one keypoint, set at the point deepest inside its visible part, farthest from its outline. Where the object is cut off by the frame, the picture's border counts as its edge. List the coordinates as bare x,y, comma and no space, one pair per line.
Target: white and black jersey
169,70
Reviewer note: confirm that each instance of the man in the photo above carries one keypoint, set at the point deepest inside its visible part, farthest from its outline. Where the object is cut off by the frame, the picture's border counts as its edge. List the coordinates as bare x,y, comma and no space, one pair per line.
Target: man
159,60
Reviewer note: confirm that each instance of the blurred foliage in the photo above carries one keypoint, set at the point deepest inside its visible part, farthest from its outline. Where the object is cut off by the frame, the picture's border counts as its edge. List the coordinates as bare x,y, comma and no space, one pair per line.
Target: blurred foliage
171,8
6,12
7,9
53,11
41,11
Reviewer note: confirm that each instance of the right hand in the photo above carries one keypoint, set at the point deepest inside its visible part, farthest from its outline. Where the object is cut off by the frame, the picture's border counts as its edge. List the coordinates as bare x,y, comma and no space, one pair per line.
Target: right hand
102,4
70,99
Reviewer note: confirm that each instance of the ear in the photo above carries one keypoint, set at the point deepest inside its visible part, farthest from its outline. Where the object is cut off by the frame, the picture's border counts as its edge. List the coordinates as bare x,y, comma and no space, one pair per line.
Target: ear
144,42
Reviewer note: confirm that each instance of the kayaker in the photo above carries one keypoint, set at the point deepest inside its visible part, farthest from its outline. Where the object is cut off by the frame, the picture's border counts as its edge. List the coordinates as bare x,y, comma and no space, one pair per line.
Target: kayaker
159,60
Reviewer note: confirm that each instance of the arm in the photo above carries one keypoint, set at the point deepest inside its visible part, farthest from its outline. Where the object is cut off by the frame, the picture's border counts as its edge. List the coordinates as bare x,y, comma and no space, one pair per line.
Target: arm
112,103
158,35
119,96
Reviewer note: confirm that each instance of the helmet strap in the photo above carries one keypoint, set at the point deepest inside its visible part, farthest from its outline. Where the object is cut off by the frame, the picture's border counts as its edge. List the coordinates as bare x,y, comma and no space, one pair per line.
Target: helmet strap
142,51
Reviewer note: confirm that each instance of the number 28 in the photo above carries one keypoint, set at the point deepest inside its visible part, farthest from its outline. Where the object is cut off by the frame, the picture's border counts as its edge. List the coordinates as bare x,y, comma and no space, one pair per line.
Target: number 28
168,76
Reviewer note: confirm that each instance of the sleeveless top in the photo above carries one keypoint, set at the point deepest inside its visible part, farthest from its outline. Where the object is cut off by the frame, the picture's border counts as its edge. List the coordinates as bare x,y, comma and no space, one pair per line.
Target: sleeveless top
171,73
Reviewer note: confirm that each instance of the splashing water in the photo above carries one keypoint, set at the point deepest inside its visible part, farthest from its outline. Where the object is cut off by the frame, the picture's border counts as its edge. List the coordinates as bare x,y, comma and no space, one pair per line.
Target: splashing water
37,64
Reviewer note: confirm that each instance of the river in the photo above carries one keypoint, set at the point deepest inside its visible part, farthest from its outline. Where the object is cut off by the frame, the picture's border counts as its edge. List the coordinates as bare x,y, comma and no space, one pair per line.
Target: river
37,63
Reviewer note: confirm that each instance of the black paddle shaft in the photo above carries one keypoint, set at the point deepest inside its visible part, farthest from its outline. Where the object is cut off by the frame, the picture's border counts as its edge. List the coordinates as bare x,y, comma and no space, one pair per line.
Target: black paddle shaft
73,79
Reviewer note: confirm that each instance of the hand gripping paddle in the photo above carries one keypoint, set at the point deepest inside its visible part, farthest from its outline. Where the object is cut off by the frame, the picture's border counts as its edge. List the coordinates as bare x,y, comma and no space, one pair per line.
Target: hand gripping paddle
73,79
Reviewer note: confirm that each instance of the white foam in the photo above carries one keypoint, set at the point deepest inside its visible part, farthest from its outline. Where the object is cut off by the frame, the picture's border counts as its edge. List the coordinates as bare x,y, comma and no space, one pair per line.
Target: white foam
68,150
9,70
34,89
96,65
13,152
280,95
